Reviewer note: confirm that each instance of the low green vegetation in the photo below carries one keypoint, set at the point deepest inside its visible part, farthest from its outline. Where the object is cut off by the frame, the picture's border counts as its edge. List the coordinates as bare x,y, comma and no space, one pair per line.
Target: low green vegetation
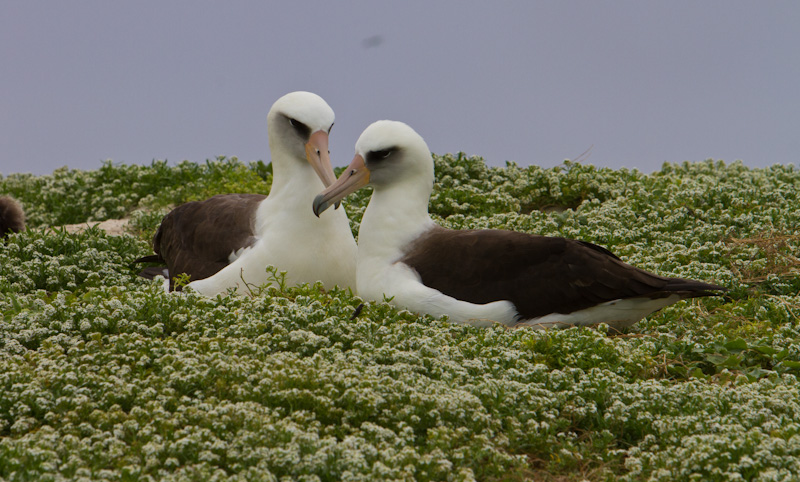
103,376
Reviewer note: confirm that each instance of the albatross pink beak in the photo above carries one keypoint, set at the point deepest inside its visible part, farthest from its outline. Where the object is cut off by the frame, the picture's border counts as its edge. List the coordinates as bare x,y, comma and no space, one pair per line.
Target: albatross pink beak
354,177
319,157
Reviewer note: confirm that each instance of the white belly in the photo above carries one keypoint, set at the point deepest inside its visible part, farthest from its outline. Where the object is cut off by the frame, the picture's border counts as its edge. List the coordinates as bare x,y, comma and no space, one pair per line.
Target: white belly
308,250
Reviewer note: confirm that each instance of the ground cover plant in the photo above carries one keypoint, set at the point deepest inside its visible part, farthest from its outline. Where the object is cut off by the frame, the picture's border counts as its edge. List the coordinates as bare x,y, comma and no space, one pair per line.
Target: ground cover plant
105,377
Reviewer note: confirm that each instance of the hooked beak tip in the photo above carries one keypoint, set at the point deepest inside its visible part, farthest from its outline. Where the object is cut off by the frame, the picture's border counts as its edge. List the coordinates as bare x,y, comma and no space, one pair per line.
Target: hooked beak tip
319,205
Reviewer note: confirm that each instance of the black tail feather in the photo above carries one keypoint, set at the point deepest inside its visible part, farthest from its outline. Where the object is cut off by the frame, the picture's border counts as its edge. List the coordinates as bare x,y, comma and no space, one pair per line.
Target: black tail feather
152,271
699,288
153,258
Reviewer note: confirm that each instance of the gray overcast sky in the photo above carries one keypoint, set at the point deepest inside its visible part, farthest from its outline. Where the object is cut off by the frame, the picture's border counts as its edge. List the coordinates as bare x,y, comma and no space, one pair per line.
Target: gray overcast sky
534,82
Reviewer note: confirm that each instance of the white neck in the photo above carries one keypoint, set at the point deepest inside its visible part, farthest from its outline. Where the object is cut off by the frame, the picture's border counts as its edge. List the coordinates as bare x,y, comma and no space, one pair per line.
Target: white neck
292,176
290,200
396,214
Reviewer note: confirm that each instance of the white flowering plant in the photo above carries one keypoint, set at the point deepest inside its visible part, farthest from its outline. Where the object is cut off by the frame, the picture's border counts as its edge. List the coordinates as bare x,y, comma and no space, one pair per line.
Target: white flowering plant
103,376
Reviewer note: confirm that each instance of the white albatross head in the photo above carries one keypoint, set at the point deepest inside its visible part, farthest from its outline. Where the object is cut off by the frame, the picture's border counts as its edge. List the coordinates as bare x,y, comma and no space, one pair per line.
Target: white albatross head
298,125
388,153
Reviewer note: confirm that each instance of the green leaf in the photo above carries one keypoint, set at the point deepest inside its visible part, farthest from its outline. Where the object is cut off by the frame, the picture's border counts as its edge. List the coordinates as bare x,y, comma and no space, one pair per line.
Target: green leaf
732,361
716,358
794,365
737,344
766,350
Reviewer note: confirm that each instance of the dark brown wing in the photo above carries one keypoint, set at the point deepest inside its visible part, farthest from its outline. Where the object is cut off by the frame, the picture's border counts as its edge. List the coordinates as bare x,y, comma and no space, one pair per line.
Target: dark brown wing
539,274
197,238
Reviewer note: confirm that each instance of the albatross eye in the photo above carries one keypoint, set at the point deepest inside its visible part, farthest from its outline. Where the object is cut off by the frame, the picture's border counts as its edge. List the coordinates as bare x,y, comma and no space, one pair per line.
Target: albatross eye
377,156
303,130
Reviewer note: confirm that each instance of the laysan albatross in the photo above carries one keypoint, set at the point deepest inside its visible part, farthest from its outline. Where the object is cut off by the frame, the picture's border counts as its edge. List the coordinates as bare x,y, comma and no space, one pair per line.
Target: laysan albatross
481,276
228,240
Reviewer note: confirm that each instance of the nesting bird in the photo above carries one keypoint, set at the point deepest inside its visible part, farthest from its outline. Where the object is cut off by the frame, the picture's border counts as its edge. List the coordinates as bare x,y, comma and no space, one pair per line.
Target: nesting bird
12,217
482,276
227,241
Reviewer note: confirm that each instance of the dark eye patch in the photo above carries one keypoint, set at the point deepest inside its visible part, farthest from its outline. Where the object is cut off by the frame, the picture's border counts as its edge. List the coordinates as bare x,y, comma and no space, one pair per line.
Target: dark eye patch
302,130
374,157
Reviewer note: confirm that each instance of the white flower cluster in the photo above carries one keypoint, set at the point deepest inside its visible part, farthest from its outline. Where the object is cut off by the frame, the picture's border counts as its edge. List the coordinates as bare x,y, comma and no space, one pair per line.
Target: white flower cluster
105,377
